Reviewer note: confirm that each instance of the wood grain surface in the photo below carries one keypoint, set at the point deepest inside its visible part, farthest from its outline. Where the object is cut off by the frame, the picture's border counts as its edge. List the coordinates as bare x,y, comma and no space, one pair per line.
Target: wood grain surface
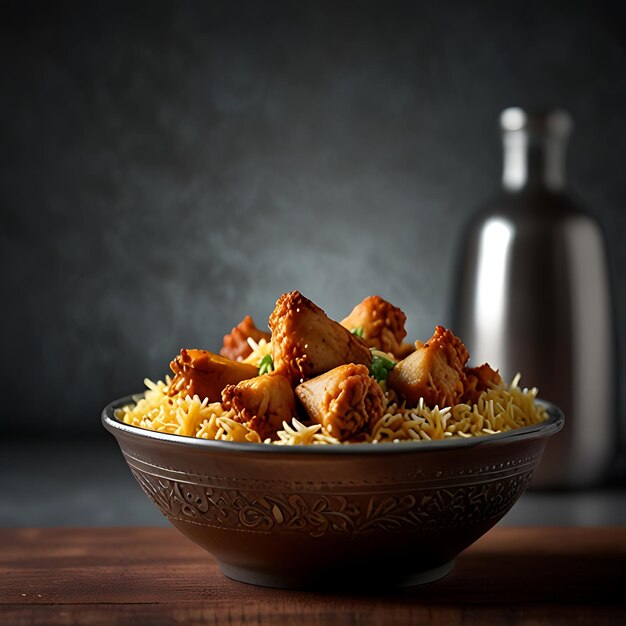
156,576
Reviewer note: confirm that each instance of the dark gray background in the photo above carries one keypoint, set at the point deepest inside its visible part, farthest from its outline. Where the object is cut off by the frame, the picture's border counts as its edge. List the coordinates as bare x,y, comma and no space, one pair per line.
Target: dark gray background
169,167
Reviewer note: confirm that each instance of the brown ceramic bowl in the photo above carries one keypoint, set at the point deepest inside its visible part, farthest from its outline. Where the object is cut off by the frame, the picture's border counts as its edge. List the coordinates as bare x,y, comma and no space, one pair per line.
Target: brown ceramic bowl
334,516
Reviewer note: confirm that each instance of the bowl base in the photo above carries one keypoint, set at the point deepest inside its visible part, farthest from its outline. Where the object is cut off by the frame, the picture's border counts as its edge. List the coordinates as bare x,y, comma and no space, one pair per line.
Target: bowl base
291,581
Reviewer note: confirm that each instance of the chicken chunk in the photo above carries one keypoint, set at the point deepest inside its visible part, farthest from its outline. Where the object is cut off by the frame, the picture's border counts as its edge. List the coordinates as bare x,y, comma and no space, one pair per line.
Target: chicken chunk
235,345
205,374
346,400
305,342
381,325
477,380
261,403
435,371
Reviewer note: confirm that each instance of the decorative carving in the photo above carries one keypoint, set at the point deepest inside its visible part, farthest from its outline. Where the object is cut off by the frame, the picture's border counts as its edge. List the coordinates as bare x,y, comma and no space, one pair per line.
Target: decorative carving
317,513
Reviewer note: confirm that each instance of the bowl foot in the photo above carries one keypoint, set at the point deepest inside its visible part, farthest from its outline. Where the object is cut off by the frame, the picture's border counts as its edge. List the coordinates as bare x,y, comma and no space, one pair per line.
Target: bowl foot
291,581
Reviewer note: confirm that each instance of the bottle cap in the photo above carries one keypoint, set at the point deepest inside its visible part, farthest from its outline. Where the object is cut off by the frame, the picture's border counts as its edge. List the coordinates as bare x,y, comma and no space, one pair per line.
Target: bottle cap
557,121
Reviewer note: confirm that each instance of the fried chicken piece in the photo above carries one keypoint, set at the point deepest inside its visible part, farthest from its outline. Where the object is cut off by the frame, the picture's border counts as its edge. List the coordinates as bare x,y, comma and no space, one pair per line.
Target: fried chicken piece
236,346
202,373
477,380
305,342
435,371
261,403
381,324
346,400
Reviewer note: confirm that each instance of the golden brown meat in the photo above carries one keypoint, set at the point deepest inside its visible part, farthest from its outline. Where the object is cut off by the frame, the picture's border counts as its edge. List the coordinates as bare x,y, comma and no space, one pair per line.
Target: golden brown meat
346,401
435,371
477,380
305,342
261,403
202,373
235,345
381,324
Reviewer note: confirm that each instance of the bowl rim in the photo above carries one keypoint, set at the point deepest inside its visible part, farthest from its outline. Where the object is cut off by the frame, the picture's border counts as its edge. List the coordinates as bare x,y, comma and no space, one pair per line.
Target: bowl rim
547,428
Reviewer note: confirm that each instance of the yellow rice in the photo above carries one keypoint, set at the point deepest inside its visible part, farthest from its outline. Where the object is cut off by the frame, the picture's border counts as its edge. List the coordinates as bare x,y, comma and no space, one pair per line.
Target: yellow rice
500,408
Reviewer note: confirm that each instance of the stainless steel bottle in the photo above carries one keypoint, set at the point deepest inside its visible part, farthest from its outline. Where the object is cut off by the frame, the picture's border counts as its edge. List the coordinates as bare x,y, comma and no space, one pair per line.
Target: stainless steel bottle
534,296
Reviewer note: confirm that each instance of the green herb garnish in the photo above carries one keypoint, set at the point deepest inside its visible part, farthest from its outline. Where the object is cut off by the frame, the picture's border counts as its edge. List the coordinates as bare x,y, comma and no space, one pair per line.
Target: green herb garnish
358,331
266,365
380,367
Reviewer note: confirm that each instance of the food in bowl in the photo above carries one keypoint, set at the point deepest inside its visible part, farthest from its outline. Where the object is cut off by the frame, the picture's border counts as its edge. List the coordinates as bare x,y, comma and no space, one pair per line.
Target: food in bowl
333,454
314,381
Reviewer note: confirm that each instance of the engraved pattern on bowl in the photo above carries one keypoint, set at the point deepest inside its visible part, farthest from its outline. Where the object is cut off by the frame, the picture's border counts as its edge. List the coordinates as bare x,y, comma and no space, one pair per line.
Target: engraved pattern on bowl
316,513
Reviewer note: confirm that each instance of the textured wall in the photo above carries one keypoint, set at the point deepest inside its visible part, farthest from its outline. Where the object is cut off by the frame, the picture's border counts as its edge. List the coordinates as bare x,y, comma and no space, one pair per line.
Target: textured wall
166,170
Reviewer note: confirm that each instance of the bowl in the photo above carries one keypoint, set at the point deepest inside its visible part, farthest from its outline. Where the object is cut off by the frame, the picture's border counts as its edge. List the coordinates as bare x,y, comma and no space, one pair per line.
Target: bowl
335,517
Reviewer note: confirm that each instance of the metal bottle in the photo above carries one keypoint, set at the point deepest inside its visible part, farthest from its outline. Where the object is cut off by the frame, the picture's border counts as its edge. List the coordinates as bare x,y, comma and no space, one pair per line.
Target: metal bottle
534,296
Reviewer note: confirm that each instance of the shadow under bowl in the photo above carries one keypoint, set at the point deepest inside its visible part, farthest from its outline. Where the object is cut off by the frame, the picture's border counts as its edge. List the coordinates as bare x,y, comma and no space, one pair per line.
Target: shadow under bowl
337,517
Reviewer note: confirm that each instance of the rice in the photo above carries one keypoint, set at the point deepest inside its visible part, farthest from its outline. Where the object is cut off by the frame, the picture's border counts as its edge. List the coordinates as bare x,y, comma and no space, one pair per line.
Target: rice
259,350
498,409
179,415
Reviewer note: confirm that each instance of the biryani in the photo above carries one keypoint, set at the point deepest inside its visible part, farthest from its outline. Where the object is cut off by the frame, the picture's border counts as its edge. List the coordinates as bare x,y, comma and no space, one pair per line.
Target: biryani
314,381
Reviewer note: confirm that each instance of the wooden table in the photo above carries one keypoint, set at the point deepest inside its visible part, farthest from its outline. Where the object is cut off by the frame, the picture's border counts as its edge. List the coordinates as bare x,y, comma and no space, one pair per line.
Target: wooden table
156,576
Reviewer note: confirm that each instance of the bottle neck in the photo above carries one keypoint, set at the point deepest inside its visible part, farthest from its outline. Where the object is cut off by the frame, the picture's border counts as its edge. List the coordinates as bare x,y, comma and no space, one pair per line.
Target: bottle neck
532,163
534,150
